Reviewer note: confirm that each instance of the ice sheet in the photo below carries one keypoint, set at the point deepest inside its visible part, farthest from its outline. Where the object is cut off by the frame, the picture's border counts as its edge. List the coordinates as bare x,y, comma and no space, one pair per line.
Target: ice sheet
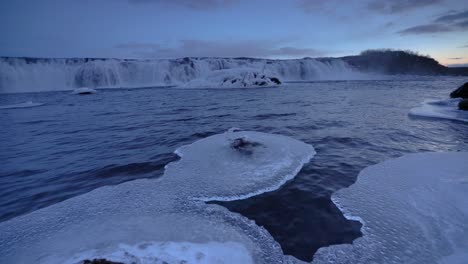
414,210
446,109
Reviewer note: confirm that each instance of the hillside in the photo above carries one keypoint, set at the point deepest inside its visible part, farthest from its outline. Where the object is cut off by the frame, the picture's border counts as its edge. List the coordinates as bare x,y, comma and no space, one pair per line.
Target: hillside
400,62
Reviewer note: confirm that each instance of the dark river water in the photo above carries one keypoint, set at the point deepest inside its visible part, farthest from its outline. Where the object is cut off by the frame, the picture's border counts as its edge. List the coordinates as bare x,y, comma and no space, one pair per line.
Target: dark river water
74,144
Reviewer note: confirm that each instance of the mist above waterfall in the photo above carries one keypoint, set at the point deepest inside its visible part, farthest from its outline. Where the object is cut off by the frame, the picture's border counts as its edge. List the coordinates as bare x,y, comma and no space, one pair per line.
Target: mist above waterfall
33,75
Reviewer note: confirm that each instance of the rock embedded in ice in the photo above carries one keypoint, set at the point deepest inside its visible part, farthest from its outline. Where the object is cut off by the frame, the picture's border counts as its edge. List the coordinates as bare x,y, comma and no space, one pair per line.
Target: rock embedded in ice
21,105
414,209
84,90
244,145
445,109
100,261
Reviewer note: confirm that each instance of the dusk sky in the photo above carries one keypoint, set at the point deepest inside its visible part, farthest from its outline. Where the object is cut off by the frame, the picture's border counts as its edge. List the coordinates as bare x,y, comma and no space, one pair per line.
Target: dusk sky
232,28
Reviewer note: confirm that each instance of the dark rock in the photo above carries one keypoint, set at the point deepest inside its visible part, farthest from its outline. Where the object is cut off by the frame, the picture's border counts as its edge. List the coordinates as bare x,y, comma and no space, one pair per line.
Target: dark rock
244,145
275,80
463,105
100,261
461,92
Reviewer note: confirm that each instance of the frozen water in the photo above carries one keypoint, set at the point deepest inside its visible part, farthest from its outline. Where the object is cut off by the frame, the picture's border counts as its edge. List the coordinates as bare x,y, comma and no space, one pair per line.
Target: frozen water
225,173
164,215
414,210
84,90
21,105
446,109
171,252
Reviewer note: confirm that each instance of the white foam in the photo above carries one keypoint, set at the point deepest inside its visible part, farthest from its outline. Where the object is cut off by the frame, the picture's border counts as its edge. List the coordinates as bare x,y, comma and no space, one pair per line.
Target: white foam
84,90
446,109
21,105
414,210
219,172
170,252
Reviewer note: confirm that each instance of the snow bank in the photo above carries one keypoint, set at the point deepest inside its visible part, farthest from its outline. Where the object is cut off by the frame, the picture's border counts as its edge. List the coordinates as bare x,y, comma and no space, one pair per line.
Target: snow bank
446,109
21,105
414,210
235,78
220,172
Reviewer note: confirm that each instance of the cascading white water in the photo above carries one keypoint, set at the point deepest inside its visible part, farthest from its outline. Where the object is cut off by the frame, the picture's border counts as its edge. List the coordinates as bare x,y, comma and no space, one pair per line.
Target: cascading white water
32,75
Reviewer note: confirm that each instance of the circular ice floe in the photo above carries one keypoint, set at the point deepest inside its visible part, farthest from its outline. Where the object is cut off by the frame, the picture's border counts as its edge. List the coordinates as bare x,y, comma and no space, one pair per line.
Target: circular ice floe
446,109
146,221
84,90
21,105
217,170
414,210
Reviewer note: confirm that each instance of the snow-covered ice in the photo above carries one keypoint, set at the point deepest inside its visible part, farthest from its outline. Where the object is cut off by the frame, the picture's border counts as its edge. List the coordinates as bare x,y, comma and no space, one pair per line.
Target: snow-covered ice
170,252
445,109
84,90
21,105
414,210
220,172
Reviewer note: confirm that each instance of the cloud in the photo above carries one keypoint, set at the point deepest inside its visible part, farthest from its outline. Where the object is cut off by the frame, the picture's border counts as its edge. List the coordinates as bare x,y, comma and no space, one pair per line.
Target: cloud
462,24
399,6
425,29
200,48
453,17
190,4
454,21
458,65
463,46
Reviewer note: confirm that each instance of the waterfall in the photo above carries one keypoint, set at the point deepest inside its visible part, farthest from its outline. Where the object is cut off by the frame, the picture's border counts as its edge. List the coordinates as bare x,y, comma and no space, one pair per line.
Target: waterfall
33,75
